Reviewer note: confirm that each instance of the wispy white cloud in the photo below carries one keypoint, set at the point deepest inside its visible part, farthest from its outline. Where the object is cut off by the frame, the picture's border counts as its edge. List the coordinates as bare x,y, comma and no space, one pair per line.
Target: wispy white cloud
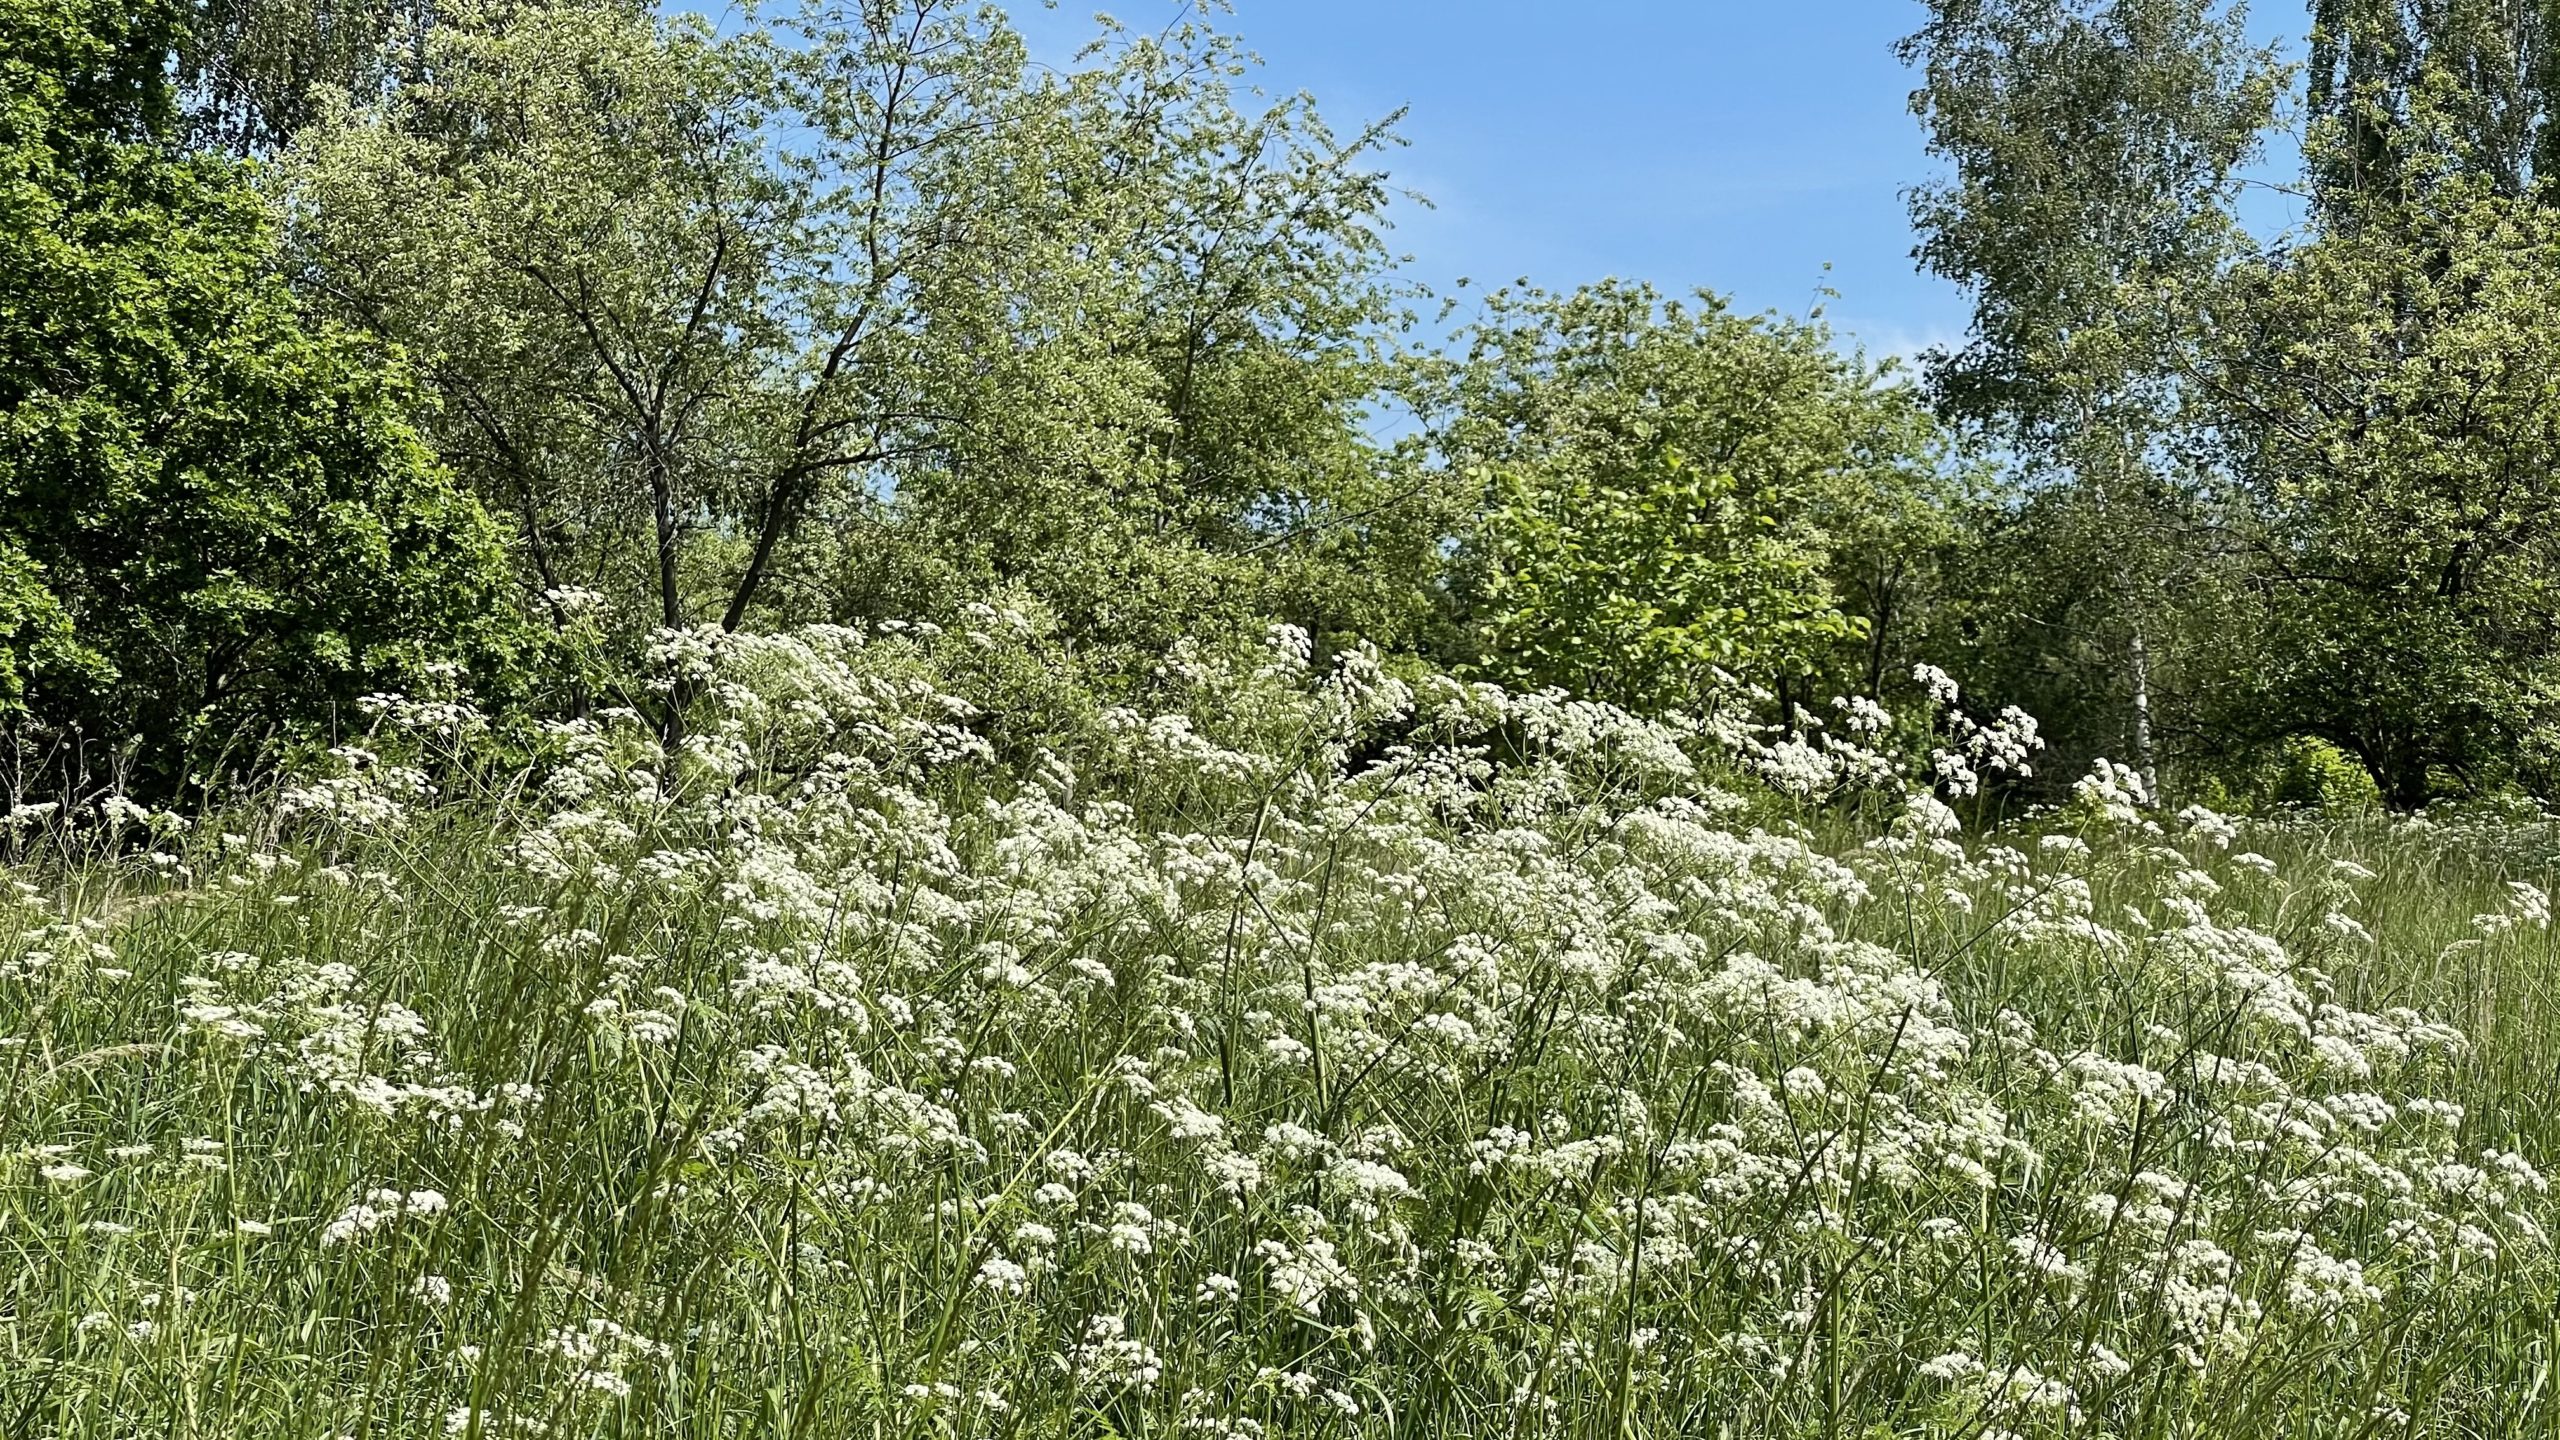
1884,339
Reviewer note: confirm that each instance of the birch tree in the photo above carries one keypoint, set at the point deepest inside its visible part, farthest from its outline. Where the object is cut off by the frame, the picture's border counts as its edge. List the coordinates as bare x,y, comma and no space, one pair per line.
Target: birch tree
2094,152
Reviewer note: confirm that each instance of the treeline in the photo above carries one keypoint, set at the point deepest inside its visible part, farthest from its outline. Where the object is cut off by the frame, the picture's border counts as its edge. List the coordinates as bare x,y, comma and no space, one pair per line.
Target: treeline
362,345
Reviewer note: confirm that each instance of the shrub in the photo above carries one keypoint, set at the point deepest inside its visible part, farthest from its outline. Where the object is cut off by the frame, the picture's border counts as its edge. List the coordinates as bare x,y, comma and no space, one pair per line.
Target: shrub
215,521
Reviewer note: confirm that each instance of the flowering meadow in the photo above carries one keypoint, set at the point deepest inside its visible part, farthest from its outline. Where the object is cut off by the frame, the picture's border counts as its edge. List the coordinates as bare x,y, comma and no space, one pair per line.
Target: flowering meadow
1321,1053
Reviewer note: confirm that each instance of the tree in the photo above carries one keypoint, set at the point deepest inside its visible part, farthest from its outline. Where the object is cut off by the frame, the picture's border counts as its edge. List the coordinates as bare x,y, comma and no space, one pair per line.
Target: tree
2474,80
2384,392
1664,483
861,312
215,519
646,328
1254,299
1901,545
2096,149
249,71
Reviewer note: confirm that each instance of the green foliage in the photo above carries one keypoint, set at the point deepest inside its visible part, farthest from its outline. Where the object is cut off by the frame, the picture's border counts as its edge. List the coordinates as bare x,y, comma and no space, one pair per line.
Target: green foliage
2310,481
2397,81
1639,586
2385,392
251,70
1249,307
2303,773
858,313
1666,480
214,519
1128,1001
2096,150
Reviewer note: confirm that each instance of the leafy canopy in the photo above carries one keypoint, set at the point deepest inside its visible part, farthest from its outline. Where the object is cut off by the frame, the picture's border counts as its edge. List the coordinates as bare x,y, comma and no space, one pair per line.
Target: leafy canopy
215,520
855,311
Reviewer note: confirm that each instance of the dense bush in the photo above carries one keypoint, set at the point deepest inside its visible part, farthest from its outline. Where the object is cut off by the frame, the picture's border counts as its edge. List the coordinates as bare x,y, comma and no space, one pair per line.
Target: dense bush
215,519
1665,484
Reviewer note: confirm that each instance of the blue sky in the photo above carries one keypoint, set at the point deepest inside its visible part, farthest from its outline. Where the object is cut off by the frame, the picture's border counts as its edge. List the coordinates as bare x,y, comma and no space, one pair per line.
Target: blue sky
1731,144
1720,143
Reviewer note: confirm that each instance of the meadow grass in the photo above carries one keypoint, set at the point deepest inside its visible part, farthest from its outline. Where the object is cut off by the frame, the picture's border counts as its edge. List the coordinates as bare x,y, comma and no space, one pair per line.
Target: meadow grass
1324,1055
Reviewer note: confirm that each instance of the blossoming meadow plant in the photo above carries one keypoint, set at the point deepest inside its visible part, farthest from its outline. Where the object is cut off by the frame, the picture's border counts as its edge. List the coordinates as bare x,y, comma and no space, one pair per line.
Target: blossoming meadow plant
1324,1053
